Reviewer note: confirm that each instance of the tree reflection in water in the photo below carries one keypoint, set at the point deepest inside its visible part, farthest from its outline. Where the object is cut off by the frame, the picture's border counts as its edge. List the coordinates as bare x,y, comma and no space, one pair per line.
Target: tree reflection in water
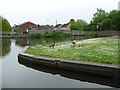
6,43
22,42
35,41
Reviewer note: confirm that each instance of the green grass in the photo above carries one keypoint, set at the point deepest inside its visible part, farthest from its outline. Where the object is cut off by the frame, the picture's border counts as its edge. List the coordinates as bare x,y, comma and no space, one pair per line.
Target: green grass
103,50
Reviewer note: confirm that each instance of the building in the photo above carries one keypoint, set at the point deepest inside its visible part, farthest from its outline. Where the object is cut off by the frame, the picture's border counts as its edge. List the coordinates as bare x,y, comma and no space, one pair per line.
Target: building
28,27
57,27
65,26
46,27
25,27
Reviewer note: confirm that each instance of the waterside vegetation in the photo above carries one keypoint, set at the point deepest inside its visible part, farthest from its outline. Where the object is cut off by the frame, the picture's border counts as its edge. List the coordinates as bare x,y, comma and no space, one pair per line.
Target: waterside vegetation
49,34
103,50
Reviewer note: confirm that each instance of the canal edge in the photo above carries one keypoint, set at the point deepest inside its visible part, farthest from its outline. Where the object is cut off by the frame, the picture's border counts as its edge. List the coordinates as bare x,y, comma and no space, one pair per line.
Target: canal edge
109,70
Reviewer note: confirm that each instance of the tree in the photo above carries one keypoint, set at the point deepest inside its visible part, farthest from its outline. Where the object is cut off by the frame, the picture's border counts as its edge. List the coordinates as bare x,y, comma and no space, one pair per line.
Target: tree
98,19
106,24
114,17
81,24
4,25
6,43
73,25
1,23
105,21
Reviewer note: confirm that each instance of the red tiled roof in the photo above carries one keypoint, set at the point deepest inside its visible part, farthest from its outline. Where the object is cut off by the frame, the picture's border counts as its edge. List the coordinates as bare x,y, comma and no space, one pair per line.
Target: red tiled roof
26,25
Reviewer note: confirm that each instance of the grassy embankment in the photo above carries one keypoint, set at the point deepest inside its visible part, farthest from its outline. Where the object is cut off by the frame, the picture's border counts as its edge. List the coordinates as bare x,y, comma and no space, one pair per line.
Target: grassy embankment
104,50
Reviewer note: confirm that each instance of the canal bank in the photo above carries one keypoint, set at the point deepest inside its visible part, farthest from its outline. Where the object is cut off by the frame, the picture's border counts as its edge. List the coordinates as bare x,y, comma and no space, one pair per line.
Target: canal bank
108,70
81,76
26,77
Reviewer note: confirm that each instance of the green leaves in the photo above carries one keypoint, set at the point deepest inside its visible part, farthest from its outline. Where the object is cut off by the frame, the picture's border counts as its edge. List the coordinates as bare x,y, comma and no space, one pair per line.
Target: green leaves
81,24
114,16
78,25
4,25
103,20
73,25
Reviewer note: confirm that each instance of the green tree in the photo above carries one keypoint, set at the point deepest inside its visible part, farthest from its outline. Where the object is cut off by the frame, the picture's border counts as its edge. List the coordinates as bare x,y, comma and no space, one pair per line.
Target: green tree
114,17
98,19
73,25
4,25
0,23
5,47
82,24
103,20
106,24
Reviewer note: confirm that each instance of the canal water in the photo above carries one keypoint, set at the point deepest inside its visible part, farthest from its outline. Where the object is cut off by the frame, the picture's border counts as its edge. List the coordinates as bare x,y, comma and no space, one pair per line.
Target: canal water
21,75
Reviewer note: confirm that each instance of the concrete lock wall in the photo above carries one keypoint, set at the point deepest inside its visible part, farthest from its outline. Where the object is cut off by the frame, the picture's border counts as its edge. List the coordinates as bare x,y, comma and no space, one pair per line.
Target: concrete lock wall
87,67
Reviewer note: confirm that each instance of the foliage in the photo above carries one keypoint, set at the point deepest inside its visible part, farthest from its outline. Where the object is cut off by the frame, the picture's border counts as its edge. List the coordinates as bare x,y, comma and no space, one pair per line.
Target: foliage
1,23
5,24
73,25
81,24
5,47
103,20
78,25
106,24
114,17
35,35
49,34
98,19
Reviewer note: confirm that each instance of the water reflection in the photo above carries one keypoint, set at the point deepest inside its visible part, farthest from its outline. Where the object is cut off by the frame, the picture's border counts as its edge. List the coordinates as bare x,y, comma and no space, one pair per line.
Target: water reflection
74,75
6,43
22,42
35,41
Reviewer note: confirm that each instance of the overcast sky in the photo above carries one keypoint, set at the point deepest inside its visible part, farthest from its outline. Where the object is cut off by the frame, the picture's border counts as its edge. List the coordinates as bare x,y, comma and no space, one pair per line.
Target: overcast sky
48,11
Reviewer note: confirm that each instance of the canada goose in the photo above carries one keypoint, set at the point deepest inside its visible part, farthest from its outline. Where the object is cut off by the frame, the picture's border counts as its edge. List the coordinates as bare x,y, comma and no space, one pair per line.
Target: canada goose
52,45
73,43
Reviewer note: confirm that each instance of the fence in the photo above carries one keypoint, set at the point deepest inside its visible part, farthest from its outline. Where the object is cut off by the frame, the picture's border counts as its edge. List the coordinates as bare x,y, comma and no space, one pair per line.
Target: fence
107,33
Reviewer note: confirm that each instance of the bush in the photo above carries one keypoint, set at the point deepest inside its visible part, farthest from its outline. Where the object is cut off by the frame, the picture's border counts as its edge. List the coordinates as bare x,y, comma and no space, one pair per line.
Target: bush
49,34
36,35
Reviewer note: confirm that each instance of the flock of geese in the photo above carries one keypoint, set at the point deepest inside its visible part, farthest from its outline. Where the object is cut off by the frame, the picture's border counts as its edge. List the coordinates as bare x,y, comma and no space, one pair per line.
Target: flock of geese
54,44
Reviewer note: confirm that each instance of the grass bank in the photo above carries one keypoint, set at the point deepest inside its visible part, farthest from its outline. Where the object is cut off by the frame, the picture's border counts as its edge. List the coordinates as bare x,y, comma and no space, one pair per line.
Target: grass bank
103,50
